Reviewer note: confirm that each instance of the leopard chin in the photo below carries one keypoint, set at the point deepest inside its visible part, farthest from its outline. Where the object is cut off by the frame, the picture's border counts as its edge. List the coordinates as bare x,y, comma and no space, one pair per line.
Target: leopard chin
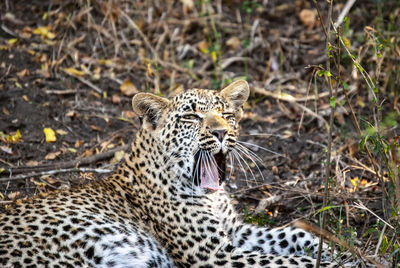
209,170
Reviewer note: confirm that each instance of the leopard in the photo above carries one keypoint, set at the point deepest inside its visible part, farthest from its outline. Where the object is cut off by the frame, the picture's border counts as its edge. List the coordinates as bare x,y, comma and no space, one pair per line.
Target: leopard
163,206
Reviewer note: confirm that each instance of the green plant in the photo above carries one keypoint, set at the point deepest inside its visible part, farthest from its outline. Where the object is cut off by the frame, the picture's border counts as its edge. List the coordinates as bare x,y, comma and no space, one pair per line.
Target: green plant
261,219
373,61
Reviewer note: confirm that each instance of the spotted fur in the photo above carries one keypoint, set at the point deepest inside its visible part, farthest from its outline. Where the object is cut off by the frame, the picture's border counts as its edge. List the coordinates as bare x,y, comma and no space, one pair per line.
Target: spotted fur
154,212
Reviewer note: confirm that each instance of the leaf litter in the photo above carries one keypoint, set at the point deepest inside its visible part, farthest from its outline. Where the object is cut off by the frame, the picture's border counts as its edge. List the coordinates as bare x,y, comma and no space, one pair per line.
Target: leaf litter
165,47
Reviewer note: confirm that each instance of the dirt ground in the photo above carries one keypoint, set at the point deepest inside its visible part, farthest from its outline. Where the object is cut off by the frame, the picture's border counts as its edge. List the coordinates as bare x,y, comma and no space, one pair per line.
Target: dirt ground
73,66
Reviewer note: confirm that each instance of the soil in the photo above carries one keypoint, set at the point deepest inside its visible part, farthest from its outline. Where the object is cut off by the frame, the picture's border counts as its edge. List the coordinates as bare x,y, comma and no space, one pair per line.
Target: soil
95,115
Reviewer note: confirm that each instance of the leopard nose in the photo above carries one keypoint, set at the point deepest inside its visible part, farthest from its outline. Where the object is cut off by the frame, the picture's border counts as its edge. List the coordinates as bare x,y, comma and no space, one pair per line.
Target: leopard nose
219,133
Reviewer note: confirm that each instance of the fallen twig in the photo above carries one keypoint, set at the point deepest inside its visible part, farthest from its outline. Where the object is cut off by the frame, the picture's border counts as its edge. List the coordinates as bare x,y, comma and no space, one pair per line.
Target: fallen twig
51,172
62,92
290,98
265,202
331,237
363,207
293,100
344,12
63,165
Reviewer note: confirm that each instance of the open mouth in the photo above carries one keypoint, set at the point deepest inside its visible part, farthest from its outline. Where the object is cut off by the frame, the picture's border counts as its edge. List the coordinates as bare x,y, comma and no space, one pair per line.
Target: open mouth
209,170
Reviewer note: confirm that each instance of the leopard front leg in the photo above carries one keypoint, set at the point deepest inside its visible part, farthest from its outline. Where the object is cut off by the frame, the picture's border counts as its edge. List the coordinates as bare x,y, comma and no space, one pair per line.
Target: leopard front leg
240,258
278,241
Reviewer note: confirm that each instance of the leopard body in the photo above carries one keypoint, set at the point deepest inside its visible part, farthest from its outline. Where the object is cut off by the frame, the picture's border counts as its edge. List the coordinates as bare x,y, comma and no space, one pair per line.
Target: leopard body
155,210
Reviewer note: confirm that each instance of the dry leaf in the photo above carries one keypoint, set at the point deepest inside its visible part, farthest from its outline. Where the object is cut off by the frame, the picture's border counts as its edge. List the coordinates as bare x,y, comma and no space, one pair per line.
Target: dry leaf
61,132
187,5
88,152
128,88
360,102
6,149
233,43
275,170
12,41
95,128
72,150
5,111
23,73
26,33
97,73
32,163
39,184
44,32
25,98
50,180
74,71
52,156
78,143
71,114
45,70
30,52
16,137
308,18
149,70
117,157
115,99
203,46
50,135
128,114
14,195
95,94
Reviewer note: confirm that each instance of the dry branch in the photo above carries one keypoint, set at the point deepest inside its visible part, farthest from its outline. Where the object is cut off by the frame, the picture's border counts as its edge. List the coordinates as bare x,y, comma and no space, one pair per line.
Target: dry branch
64,165
331,237
55,171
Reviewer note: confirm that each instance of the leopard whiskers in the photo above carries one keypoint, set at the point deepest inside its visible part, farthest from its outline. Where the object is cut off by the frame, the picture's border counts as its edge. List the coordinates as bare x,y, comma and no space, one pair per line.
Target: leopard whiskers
231,159
235,154
195,171
245,162
260,147
247,154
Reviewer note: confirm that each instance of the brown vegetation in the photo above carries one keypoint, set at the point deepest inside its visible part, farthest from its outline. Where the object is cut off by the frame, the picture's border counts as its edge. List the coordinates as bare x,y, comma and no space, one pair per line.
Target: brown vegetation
71,67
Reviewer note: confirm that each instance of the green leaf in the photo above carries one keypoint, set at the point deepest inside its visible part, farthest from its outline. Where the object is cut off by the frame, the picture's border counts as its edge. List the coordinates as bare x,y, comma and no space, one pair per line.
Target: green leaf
359,67
326,208
363,142
345,86
384,245
333,102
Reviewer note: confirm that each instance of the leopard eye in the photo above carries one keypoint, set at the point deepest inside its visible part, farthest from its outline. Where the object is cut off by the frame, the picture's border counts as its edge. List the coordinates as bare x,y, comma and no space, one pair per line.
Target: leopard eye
229,116
191,117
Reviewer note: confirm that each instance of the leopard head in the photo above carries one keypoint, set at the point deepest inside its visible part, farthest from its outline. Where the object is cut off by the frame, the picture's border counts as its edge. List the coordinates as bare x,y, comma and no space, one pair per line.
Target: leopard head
194,130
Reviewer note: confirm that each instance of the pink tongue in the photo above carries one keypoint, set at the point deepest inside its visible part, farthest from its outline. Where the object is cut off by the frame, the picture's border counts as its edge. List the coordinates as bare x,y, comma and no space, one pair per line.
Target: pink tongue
209,176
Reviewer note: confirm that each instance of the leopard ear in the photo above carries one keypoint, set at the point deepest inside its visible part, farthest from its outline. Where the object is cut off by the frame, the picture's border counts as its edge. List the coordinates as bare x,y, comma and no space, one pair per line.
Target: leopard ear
236,93
149,107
